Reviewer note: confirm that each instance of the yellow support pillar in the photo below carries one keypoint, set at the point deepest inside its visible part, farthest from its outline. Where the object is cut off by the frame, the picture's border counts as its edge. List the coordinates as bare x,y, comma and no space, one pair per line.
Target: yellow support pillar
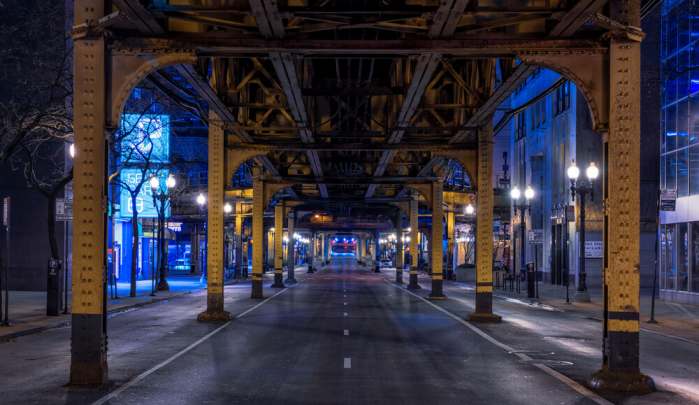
399,248
414,256
484,229
214,229
620,369
258,232
437,255
279,245
88,361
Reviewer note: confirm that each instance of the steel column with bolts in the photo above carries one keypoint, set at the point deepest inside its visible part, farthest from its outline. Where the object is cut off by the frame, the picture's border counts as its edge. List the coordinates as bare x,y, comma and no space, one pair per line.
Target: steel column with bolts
437,255
399,248
88,361
620,369
291,249
414,256
279,245
258,232
484,228
214,229
377,264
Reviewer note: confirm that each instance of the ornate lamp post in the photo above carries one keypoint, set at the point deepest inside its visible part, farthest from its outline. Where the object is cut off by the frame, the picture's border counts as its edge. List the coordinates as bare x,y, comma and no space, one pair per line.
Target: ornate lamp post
201,202
592,172
523,207
162,195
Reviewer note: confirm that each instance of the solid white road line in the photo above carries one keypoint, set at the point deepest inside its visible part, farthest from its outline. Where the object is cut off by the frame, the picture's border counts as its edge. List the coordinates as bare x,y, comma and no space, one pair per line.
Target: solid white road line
348,362
582,390
182,352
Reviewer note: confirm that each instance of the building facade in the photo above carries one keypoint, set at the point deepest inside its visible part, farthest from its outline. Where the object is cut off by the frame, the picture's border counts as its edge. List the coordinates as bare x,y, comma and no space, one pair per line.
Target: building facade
679,151
550,129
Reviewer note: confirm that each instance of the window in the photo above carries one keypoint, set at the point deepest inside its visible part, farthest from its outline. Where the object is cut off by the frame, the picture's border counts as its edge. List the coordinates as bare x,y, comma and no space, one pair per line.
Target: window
520,129
538,114
562,98
669,269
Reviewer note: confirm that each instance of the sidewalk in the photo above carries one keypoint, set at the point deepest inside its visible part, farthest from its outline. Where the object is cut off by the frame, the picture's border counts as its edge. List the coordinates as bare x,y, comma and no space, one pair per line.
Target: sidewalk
673,319
27,309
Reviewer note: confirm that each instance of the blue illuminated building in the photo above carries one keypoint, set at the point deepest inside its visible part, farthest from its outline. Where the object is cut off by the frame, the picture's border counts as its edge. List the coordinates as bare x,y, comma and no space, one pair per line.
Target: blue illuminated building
679,151
549,127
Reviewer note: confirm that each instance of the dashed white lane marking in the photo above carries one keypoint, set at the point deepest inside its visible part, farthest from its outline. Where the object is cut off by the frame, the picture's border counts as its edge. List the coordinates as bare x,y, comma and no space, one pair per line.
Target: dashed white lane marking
345,304
344,314
548,370
348,362
182,352
346,332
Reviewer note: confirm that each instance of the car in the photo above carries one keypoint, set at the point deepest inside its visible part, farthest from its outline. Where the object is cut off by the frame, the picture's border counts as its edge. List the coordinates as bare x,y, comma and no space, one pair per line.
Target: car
385,263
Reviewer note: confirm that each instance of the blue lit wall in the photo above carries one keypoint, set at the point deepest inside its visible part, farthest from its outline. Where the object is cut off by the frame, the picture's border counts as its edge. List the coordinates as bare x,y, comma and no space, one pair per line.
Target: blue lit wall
679,165
148,134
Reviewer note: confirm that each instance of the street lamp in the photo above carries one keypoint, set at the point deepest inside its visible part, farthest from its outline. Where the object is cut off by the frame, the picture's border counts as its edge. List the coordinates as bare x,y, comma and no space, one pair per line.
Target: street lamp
201,202
161,195
592,172
469,209
227,208
523,207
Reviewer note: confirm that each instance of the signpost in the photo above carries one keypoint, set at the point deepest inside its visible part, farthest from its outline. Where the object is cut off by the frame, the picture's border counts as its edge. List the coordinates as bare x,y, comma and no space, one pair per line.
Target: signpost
668,200
594,249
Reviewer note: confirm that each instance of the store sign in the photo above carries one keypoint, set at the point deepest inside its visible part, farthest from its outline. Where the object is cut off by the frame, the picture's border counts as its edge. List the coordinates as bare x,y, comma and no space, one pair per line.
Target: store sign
64,209
535,236
594,249
668,200
144,200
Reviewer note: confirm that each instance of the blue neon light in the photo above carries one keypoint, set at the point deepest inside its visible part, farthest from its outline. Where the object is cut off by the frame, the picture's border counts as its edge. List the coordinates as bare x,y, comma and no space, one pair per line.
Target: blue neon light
145,137
144,199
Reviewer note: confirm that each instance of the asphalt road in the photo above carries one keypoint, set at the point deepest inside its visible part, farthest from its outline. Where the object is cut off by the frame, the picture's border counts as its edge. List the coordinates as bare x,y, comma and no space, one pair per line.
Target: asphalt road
342,335
347,336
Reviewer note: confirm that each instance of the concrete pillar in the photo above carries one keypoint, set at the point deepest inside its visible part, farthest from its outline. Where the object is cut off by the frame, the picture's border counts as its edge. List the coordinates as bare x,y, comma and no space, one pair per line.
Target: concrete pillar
437,255
214,229
279,245
399,248
258,232
484,229
620,369
451,219
239,240
291,251
414,256
88,361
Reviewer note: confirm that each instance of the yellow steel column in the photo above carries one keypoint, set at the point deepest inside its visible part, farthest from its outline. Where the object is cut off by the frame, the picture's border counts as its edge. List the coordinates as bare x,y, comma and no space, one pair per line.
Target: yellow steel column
451,218
214,229
88,361
399,248
484,229
414,256
279,245
239,240
437,236
258,232
313,248
620,370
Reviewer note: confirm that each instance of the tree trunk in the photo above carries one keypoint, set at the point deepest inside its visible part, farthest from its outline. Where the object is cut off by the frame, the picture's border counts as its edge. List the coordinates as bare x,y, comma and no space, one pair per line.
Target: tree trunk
51,222
134,247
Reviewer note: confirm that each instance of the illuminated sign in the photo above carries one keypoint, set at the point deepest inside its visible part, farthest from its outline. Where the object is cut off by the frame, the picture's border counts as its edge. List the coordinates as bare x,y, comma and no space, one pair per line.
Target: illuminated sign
144,199
145,137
